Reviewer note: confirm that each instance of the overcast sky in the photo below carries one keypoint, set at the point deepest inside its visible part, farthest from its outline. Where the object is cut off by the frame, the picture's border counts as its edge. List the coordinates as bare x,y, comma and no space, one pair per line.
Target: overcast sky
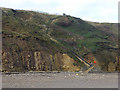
91,10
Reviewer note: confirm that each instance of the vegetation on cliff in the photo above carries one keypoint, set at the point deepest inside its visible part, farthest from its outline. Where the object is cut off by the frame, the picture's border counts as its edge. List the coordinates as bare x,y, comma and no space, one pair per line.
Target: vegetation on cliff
39,41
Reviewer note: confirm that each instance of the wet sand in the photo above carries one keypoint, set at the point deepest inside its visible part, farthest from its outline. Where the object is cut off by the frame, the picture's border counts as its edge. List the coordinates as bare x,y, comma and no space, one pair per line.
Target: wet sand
60,80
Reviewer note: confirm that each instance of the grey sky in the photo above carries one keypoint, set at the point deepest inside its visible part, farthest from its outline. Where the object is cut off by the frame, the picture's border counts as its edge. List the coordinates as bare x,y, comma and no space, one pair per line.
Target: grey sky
91,10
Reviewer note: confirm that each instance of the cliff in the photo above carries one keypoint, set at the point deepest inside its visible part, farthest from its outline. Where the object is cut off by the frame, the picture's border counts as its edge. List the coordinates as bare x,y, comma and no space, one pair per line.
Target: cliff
42,42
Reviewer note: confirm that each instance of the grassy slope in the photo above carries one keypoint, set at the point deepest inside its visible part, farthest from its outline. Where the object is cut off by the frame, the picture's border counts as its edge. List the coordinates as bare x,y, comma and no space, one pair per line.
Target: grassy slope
92,36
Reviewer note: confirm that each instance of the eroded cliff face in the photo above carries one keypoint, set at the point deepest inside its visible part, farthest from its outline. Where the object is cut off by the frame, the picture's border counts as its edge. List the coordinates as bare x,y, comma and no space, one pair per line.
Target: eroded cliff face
68,63
37,61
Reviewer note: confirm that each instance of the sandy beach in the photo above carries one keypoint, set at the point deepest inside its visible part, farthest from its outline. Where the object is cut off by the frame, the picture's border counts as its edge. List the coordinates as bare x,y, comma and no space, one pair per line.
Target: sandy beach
60,80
